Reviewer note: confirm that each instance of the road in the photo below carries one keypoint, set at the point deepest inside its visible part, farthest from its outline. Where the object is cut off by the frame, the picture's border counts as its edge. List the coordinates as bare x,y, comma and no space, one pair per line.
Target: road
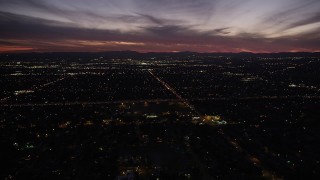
86,103
31,90
169,88
254,160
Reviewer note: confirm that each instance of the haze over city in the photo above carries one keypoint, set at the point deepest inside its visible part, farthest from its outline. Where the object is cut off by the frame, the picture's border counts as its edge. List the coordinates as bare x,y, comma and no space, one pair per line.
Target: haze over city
160,25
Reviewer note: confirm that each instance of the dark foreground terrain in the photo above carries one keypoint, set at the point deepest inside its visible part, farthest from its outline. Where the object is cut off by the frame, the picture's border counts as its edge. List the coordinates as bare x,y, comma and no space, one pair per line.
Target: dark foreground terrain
159,116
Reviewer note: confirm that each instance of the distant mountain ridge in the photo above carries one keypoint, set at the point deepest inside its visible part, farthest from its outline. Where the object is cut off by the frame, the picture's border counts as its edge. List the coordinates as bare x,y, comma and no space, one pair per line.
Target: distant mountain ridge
134,54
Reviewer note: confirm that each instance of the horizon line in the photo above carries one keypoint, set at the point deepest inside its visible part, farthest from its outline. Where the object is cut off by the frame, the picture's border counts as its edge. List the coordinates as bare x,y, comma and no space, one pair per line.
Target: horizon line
147,52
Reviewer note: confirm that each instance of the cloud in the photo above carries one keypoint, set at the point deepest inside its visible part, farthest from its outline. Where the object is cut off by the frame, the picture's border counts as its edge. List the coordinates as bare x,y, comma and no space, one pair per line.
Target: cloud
208,25
222,31
315,18
294,14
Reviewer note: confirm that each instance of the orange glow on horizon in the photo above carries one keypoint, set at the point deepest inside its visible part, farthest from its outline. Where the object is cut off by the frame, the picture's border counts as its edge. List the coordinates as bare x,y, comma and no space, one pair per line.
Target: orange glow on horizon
141,47
15,48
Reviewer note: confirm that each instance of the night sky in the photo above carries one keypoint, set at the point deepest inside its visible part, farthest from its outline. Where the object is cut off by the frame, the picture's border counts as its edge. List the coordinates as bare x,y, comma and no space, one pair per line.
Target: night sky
160,25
